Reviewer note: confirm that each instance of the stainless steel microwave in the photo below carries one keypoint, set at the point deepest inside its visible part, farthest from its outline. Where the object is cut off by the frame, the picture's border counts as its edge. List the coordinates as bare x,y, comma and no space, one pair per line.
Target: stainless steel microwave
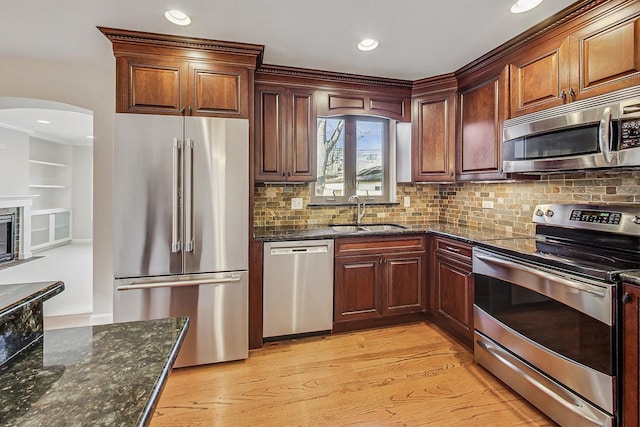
597,133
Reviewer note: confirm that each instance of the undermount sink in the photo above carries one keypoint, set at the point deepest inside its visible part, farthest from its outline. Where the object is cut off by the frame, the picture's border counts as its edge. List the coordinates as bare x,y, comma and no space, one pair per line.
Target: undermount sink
354,228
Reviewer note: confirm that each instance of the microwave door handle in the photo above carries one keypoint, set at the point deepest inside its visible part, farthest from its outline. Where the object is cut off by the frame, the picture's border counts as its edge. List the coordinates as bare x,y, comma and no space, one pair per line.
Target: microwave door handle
604,135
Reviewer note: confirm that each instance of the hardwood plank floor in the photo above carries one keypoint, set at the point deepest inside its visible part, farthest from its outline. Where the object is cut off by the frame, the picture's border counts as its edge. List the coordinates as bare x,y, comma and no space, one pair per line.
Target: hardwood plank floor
408,375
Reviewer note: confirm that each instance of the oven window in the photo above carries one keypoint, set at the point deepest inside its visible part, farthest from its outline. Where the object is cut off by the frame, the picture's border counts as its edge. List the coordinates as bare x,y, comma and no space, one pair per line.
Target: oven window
547,322
569,142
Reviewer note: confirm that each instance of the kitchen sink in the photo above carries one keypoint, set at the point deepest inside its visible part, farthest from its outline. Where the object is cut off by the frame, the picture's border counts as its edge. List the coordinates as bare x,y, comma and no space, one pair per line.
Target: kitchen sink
363,228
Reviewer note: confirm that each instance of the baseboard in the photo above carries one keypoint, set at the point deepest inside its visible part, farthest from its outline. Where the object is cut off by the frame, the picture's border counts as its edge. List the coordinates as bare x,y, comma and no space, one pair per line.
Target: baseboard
77,320
102,319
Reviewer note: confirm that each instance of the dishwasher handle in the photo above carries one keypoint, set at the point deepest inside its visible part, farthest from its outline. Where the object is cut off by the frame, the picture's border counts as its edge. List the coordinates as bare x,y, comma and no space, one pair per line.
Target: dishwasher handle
299,250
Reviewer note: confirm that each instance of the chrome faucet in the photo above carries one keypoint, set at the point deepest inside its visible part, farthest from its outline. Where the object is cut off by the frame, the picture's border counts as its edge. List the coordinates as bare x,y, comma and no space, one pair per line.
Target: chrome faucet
359,213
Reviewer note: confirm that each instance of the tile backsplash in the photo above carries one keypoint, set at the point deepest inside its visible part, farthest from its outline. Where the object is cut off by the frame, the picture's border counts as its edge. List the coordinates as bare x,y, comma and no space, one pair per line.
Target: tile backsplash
504,206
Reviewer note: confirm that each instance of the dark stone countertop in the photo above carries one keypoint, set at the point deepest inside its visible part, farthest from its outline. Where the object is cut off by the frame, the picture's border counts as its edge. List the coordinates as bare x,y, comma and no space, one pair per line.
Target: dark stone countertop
14,296
271,234
632,277
106,375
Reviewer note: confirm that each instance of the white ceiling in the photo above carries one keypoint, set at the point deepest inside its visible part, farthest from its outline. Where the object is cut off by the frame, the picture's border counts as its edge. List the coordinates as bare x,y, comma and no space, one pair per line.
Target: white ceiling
418,38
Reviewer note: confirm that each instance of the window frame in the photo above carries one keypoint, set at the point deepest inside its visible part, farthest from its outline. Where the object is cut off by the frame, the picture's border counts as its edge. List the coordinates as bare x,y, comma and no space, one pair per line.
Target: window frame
350,163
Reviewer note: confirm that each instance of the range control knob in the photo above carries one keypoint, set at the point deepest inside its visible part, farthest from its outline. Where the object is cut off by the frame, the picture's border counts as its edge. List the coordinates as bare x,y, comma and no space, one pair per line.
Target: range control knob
636,219
539,212
549,213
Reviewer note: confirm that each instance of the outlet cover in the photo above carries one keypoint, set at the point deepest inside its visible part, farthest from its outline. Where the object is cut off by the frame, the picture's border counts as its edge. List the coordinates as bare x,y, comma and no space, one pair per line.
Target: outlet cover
296,203
407,201
487,204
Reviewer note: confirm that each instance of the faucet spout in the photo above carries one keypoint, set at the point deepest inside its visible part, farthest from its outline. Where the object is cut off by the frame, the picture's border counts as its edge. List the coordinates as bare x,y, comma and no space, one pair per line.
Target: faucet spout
359,211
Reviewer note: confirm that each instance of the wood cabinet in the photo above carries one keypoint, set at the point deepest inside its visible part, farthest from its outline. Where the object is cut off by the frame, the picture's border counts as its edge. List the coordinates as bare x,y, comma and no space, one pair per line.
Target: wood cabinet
630,354
379,277
452,287
161,74
602,57
433,139
482,105
285,136
344,102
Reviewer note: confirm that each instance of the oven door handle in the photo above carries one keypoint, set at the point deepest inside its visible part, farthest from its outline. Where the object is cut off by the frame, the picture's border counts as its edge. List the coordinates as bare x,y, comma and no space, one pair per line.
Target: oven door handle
545,275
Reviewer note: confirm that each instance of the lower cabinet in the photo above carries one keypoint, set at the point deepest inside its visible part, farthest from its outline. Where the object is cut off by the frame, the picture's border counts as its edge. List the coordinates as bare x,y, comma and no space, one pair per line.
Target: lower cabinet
378,278
630,354
452,287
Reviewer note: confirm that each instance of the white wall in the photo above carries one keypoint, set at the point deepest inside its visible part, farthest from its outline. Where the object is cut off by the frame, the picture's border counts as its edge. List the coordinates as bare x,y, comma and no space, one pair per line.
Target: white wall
81,204
14,155
90,86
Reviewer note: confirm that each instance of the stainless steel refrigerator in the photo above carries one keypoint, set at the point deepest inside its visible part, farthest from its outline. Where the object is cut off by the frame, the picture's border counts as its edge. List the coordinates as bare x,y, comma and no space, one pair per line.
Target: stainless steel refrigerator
181,214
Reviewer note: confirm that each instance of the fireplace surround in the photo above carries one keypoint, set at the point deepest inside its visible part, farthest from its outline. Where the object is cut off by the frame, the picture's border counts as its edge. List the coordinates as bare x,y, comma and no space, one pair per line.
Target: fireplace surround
7,237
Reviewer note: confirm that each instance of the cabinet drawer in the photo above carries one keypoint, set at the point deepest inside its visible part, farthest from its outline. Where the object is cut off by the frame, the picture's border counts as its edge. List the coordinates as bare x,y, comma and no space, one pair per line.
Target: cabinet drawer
350,246
454,248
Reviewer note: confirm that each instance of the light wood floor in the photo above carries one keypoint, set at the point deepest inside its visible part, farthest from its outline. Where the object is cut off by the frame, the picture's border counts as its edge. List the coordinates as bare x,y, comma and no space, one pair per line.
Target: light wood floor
409,375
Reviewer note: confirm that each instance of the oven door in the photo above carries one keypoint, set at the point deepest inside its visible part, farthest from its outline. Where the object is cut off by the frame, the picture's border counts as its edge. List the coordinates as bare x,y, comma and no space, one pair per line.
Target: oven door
541,331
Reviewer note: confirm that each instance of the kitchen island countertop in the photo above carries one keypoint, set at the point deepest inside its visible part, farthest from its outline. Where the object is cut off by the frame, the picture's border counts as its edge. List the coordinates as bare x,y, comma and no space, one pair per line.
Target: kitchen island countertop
97,375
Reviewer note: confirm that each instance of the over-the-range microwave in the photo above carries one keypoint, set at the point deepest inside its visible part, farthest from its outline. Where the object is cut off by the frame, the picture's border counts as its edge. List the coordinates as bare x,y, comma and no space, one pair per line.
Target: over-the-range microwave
597,133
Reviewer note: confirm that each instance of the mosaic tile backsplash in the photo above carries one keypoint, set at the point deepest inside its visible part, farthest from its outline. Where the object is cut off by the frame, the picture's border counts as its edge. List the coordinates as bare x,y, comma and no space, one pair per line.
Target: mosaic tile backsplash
502,206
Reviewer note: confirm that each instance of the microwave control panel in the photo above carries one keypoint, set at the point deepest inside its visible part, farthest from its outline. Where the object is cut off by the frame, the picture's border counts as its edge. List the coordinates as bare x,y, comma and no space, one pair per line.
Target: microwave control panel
629,134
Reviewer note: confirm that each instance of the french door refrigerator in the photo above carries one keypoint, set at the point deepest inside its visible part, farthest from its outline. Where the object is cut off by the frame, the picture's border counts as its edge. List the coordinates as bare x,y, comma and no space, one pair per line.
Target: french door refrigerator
181,194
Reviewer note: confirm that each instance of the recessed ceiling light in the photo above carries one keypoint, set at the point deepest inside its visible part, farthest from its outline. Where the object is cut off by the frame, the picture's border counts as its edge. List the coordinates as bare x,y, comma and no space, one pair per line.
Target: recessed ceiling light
367,45
524,5
44,122
177,17
90,136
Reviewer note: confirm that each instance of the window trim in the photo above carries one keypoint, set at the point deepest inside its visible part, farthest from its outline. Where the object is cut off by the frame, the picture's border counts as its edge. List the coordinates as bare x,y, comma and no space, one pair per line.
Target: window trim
388,166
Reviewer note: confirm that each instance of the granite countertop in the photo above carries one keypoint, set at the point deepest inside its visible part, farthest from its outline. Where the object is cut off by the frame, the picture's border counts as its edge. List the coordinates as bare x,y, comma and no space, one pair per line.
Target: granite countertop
632,277
109,375
326,232
14,296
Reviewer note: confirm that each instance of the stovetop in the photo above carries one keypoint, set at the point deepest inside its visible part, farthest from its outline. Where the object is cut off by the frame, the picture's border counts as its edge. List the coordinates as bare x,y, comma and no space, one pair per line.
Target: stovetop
592,241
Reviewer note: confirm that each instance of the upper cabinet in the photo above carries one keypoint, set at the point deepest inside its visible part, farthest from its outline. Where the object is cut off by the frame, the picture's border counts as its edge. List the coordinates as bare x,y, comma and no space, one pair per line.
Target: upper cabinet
285,134
601,57
482,107
337,103
433,131
159,74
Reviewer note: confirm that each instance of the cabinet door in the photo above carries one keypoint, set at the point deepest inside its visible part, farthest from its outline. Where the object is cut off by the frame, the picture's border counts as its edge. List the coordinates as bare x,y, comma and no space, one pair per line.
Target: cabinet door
404,283
216,90
630,355
433,138
539,80
301,149
454,296
605,59
357,288
150,86
482,112
269,133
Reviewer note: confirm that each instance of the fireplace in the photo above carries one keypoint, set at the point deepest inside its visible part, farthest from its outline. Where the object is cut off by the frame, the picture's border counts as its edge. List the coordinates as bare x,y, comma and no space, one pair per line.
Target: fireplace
7,236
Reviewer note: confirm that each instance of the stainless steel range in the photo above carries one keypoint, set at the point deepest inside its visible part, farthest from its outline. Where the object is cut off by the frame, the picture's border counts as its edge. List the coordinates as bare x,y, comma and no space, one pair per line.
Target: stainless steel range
546,313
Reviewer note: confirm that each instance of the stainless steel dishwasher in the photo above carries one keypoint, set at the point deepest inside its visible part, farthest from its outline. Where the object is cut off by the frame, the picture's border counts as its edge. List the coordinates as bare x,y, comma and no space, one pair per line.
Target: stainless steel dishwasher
298,287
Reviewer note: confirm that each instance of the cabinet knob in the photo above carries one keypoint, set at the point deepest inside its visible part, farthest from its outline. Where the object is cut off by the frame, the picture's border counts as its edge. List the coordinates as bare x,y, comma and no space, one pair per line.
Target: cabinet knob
626,298
563,95
572,93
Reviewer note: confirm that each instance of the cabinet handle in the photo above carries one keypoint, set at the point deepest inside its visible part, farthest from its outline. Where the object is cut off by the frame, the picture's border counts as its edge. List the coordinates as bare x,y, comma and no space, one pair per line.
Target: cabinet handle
626,298
456,250
563,95
572,93
181,111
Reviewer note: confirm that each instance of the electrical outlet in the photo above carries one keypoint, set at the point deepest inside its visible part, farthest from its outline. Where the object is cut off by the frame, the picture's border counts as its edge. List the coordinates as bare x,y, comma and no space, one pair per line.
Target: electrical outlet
407,201
487,204
296,203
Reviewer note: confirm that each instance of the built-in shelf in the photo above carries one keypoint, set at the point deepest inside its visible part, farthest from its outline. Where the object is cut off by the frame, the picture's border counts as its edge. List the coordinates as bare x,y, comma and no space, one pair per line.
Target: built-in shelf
50,227
46,186
40,162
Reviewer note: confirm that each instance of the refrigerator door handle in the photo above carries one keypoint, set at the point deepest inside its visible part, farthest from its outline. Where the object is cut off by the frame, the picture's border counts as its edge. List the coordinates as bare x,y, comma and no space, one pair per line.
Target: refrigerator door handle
175,197
188,203
179,283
